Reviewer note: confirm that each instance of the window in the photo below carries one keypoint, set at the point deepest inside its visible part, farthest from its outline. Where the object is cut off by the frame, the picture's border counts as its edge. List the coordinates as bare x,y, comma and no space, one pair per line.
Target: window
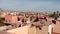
18,19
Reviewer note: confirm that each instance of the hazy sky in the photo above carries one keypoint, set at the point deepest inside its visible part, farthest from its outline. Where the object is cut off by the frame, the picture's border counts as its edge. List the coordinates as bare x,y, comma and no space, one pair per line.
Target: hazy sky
42,5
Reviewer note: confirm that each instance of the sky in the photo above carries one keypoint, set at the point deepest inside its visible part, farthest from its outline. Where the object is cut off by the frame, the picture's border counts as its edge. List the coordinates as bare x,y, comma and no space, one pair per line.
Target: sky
33,5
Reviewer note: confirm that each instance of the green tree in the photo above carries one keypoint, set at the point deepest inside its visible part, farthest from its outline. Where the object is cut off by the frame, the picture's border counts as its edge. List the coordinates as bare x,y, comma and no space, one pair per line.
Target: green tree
52,15
1,22
57,12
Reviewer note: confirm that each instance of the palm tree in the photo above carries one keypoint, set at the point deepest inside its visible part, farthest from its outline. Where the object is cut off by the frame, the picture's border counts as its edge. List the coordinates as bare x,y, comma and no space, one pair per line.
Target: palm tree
57,12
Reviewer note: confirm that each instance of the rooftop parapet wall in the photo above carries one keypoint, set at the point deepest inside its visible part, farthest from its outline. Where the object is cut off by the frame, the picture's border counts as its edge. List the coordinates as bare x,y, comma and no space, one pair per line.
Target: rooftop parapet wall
20,30
28,30
33,30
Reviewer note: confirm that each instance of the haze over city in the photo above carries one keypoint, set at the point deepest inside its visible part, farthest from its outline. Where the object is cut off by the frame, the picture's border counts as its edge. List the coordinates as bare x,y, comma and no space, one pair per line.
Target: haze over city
33,5
29,16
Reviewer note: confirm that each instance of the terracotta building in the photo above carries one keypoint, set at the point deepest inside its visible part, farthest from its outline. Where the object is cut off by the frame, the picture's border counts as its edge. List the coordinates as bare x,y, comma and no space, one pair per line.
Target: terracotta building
11,18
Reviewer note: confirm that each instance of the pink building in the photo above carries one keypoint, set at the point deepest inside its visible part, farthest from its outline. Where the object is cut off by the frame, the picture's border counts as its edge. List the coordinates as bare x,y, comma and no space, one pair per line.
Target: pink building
11,18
